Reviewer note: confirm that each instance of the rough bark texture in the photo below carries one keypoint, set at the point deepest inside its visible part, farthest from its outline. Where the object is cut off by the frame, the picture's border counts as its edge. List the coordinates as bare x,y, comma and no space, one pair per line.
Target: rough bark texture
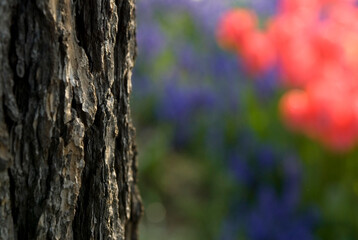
67,158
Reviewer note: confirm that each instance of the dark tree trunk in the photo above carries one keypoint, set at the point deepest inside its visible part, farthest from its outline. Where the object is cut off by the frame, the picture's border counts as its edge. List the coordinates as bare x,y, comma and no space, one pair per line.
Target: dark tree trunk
67,158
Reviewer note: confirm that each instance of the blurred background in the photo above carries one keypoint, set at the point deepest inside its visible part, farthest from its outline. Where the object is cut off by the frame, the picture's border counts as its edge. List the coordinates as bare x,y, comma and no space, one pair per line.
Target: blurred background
215,159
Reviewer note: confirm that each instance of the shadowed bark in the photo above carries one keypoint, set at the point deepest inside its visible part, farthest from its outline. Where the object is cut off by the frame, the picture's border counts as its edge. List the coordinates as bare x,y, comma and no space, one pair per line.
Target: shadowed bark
67,153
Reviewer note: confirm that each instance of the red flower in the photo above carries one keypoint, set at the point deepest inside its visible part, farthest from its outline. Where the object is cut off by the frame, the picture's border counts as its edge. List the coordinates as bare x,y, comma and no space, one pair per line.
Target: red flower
296,109
258,52
234,26
315,43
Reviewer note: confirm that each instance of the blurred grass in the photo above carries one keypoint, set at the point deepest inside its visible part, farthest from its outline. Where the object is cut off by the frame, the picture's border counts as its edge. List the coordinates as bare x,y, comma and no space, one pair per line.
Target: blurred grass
194,190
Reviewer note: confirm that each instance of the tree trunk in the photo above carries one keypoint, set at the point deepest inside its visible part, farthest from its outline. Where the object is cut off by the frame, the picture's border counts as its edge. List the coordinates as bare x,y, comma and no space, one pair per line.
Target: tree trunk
67,158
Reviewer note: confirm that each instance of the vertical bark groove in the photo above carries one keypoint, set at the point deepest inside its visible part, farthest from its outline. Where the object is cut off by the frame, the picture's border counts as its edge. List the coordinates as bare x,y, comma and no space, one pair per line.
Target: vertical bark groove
67,154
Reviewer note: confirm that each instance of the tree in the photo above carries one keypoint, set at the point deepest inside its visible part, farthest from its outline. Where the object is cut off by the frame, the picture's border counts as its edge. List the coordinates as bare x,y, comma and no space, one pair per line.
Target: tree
67,154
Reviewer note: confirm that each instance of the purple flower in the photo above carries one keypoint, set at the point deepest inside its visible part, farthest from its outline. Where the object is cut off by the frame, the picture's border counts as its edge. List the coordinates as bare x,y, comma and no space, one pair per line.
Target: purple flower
266,83
264,8
273,219
187,57
240,168
151,41
266,159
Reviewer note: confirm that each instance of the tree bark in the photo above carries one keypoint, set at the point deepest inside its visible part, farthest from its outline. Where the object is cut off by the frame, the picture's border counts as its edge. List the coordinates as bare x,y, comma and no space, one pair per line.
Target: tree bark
67,157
